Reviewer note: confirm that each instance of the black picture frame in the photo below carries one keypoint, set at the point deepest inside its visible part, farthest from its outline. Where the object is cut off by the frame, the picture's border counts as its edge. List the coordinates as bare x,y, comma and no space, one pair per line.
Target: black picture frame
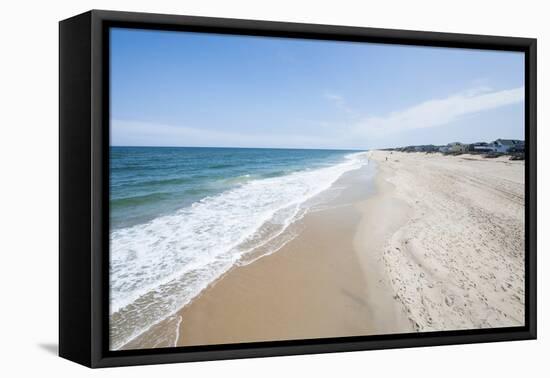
84,199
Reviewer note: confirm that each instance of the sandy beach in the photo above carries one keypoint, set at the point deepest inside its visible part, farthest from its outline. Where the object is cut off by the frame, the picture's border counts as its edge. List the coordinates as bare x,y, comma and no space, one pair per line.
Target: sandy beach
458,262
410,242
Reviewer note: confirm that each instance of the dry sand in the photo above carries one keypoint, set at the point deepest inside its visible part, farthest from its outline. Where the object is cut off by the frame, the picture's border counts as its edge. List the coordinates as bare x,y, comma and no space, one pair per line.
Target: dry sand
458,262
431,243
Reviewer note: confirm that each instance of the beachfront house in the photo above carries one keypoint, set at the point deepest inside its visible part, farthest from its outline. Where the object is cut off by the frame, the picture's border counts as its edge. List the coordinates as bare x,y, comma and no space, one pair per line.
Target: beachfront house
480,147
457,147
507,145
519,147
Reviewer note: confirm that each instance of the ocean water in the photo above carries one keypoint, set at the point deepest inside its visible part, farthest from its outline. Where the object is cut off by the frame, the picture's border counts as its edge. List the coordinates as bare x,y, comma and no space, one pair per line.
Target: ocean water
181,217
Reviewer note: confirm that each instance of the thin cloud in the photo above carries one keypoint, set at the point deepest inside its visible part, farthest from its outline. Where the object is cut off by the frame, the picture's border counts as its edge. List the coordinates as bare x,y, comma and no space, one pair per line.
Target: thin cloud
439,112
340,102
355,132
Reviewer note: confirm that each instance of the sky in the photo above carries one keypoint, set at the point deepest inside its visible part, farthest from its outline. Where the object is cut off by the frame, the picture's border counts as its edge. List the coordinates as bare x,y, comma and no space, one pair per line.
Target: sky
209,90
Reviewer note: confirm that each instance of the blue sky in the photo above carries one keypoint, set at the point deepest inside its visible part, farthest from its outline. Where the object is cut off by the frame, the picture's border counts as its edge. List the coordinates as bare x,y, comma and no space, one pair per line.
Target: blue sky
188,89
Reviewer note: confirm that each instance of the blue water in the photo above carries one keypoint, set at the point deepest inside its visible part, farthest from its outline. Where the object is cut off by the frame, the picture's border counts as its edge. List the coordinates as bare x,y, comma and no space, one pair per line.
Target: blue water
147,182
181,217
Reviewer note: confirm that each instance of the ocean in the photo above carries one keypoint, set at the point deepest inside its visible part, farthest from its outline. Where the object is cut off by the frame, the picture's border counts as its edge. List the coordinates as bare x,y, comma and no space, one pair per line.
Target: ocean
181,217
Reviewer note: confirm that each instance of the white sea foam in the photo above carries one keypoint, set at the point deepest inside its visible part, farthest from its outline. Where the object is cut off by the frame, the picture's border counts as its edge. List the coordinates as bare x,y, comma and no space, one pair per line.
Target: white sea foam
158,267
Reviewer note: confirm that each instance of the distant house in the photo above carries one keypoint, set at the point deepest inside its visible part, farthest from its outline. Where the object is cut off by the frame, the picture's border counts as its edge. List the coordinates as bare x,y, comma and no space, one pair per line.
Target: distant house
457,147
480,147
507,145
519,146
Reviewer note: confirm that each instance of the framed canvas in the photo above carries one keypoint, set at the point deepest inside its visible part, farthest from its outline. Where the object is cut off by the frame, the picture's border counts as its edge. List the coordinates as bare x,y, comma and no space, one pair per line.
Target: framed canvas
236,188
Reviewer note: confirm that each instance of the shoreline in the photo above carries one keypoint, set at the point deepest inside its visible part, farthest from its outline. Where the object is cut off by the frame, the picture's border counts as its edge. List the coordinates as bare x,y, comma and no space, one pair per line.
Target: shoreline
160,266
382,214
370,260
315,286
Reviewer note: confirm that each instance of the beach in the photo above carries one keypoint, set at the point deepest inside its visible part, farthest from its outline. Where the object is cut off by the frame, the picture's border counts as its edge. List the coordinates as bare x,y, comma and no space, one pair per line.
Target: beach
458,262
409,242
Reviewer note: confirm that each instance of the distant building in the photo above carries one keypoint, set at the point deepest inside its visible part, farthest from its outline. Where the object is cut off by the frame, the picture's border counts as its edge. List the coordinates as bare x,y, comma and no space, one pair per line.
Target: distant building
519,147
507,145
457,147
480,147
500,145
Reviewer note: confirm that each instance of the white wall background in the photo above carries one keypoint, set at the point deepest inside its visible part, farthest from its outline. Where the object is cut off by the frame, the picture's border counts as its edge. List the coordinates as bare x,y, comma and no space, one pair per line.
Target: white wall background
28,190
